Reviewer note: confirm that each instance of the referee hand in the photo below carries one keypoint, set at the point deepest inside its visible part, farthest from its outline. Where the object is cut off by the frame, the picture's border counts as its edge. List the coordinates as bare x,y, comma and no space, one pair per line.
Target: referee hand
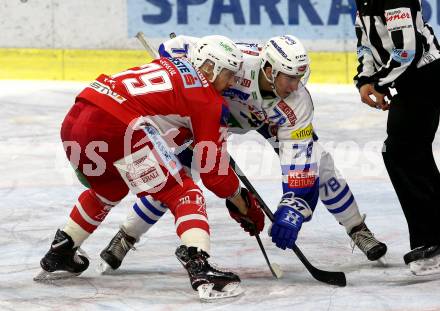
373,98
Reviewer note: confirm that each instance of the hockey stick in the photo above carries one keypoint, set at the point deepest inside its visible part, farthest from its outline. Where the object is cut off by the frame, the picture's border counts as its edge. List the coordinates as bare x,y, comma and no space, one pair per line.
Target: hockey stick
329,277
274,268
143,40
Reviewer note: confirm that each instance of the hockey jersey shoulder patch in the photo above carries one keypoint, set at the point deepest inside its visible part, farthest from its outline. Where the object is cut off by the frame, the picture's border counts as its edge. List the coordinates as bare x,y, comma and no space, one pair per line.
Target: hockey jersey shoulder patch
190,78
398,19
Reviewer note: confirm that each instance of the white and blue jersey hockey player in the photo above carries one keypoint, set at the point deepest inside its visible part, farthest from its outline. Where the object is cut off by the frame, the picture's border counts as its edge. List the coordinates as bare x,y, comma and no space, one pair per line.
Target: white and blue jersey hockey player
271,98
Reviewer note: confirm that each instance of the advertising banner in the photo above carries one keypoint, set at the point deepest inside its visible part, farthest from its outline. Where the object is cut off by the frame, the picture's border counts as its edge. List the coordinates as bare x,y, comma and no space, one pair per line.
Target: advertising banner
314,20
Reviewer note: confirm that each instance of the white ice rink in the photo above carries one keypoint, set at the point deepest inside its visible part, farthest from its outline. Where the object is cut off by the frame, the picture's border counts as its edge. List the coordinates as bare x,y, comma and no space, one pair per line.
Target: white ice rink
38,189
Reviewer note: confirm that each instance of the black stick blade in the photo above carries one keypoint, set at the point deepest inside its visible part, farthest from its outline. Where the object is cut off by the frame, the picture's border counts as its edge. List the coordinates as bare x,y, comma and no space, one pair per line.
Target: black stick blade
329,277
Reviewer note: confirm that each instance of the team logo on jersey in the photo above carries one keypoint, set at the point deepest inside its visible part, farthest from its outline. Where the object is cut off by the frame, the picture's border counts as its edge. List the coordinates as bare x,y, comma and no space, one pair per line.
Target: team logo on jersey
303,133
403,56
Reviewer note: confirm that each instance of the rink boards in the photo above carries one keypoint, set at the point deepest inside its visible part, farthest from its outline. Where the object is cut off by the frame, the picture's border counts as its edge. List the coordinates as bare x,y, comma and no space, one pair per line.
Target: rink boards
84,65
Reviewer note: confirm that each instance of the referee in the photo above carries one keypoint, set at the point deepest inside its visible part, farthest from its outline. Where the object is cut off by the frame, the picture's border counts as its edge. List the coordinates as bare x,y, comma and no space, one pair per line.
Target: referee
397,49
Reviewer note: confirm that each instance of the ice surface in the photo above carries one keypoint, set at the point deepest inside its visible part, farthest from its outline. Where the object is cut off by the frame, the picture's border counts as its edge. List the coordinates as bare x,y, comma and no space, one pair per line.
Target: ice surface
38,189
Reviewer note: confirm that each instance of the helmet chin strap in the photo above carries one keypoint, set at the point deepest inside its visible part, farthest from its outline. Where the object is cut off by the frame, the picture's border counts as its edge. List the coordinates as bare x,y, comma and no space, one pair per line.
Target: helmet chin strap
272,83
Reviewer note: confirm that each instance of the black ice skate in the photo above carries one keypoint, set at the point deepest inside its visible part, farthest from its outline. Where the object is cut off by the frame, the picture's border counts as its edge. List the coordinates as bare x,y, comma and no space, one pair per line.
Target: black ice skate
424,260
113,255
62,260
210,282
364,239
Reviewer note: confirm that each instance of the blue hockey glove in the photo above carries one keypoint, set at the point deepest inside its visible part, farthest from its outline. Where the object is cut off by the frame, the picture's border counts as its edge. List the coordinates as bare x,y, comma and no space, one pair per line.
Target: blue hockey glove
289,217
285,227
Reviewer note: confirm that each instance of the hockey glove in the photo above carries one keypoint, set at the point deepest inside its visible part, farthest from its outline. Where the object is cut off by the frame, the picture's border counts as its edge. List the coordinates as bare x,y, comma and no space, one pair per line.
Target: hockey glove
253,221
289,217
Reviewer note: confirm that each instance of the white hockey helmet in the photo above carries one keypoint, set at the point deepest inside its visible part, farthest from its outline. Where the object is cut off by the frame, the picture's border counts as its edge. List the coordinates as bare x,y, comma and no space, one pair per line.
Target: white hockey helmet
220,50
285,54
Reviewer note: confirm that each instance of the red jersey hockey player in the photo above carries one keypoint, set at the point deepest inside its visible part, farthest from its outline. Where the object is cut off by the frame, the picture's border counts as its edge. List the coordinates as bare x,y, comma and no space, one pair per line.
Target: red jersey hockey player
118,136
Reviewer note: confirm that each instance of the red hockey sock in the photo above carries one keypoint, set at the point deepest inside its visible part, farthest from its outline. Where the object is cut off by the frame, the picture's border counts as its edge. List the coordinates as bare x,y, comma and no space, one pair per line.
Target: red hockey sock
190,212
90,210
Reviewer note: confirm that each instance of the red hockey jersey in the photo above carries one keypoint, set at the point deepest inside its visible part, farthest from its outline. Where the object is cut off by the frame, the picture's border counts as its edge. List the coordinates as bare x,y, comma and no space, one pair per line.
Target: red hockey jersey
173,95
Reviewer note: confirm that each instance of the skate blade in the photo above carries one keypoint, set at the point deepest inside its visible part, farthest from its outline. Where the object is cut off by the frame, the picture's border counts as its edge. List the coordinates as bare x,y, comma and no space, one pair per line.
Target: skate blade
207,294
424,267
382,261
104,268
45,276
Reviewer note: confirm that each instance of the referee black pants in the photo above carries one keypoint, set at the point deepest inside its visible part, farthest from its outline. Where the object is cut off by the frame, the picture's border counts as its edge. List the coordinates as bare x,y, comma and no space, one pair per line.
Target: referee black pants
413,120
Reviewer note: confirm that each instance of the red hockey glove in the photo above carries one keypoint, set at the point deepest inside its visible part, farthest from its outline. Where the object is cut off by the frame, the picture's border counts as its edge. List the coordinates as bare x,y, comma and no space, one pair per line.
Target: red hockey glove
253,222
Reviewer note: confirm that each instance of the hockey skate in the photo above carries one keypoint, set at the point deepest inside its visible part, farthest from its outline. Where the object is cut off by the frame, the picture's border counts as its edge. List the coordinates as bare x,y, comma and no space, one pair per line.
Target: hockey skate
62,260
211,283
424,260
115,252
364,239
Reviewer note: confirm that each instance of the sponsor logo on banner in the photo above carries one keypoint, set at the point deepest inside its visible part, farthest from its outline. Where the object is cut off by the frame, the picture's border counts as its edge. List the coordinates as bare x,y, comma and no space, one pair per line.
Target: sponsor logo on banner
329,22
105,89
303,133
403,56
301,179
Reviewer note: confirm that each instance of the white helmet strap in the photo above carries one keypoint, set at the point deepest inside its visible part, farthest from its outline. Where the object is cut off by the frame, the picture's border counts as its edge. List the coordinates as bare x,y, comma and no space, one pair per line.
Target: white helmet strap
271,81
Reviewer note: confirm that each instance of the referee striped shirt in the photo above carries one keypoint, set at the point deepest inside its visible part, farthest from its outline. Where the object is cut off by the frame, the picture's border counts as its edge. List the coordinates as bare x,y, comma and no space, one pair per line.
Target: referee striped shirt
393,40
